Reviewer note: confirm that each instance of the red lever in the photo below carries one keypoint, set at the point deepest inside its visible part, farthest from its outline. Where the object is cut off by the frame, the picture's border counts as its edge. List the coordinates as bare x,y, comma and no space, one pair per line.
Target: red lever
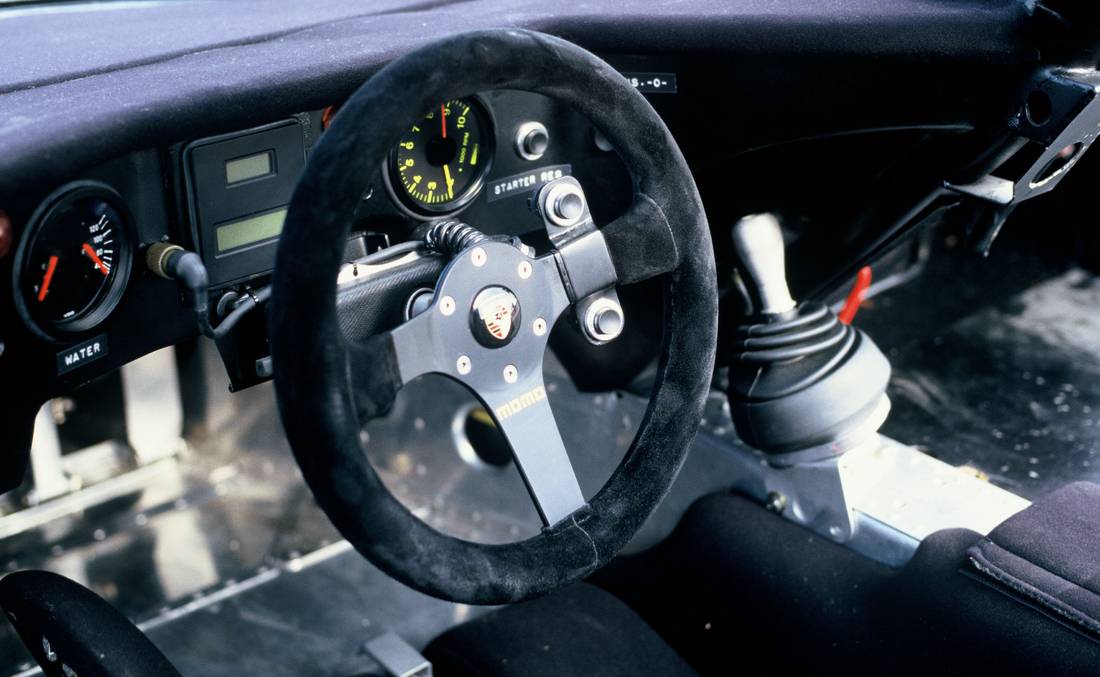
6,235
855,297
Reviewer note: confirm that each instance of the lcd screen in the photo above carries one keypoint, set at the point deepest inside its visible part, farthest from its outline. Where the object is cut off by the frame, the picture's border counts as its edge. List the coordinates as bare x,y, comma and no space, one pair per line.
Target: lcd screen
251,230
248,167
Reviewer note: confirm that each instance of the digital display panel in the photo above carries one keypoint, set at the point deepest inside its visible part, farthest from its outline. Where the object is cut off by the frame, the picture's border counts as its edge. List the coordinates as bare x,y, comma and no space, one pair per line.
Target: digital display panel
249,167
250,230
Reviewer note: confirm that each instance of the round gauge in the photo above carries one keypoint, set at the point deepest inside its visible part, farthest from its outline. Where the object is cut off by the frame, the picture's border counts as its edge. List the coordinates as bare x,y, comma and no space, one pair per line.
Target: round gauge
74,260
440,162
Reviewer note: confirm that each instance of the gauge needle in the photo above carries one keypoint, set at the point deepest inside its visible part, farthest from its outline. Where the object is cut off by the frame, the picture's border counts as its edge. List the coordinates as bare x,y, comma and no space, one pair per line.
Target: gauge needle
450,182
51,266
87,248
443,120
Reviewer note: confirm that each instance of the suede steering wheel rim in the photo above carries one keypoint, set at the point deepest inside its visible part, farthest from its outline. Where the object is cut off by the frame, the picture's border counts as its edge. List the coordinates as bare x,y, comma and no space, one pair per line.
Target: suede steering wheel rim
327,386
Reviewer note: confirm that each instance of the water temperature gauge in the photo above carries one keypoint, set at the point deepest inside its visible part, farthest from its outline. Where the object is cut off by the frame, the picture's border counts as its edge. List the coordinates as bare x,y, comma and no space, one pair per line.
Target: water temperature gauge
74,260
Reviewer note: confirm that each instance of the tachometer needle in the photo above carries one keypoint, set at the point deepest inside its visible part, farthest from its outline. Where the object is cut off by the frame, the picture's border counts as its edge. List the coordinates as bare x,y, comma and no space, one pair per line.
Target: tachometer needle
443,119
450,182
95,259
51,266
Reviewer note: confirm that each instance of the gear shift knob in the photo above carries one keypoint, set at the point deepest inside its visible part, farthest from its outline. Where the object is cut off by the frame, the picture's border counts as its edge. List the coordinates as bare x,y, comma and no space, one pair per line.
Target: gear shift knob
802,386
758,241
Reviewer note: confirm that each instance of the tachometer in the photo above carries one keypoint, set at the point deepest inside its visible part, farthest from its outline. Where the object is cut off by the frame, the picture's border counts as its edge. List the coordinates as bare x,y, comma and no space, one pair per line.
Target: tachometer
74,260
440,162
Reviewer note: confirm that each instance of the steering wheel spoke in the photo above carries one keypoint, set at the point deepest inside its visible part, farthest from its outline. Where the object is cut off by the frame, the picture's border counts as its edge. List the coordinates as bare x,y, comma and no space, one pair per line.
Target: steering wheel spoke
641,243
371,373
417,348
523,415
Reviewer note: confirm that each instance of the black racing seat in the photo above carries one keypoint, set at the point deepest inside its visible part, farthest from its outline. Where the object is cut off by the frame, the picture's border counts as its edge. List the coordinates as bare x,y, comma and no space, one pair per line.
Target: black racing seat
70,630
736,586
577,631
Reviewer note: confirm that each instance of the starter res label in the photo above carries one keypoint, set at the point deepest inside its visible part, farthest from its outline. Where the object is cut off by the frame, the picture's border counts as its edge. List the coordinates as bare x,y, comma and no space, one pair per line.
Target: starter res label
81,354
527,182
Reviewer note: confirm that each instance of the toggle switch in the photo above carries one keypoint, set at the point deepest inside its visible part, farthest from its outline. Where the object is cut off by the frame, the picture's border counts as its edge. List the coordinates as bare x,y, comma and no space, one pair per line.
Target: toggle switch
532,140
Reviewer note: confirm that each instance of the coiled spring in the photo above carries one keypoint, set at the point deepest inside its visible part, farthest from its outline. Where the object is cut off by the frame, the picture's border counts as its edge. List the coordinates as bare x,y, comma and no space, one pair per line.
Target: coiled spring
450,237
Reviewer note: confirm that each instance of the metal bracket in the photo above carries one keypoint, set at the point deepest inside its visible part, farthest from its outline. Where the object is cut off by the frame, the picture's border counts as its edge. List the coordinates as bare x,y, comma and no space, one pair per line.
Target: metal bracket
154,432
583,259
812,494
1056,123
396,657
880,499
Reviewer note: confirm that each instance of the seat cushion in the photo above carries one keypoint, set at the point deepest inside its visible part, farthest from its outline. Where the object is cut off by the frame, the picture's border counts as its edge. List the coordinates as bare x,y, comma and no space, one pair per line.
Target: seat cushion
1049,554
578,630
736,586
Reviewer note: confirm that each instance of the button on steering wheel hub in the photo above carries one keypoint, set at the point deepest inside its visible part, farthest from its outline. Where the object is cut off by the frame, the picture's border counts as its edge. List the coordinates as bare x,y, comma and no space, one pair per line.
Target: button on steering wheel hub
495,316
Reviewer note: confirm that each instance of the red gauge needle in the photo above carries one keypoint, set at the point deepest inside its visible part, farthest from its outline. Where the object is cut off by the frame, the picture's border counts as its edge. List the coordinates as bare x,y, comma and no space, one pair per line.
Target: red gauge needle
95,259
443,119
51,266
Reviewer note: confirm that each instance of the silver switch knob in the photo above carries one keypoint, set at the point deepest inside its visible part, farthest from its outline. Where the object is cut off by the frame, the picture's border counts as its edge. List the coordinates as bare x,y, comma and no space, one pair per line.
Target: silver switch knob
568,207
603,320
532,140
608,322
564,204
758,240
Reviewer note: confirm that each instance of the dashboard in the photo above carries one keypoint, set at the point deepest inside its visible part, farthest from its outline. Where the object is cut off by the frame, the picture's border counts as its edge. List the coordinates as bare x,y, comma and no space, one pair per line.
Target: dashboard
84,300
187,122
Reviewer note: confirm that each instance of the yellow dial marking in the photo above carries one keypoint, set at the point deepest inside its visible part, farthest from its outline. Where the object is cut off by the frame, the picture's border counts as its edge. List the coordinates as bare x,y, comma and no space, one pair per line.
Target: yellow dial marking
450,182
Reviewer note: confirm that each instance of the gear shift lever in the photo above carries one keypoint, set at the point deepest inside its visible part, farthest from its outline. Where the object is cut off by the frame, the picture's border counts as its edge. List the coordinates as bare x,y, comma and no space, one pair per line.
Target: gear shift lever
758,241
803,386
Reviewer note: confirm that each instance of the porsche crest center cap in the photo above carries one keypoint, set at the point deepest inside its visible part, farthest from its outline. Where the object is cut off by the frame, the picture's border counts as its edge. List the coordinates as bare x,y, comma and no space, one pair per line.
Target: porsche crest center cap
494,317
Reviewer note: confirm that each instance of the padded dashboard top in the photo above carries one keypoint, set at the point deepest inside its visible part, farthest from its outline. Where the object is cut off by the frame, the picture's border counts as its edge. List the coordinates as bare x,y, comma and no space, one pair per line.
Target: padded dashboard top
136,74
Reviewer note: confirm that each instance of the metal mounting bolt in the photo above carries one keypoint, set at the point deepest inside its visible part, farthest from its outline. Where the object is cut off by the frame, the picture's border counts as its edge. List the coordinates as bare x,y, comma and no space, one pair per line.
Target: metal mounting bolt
539,326
524,270
463,365
447,305
478,257
776,502
418,302
603,320
563,204
511,374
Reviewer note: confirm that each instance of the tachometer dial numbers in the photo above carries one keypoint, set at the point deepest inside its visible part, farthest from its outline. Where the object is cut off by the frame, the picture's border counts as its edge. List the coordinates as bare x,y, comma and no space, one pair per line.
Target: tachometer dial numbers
439,163
74,260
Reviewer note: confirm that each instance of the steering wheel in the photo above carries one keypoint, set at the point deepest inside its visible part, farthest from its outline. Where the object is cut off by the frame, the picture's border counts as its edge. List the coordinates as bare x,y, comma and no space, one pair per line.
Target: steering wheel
328,386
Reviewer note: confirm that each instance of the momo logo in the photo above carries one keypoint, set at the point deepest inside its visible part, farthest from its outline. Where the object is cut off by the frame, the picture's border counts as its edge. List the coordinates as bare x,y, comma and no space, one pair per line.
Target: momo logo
518,404
494,318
